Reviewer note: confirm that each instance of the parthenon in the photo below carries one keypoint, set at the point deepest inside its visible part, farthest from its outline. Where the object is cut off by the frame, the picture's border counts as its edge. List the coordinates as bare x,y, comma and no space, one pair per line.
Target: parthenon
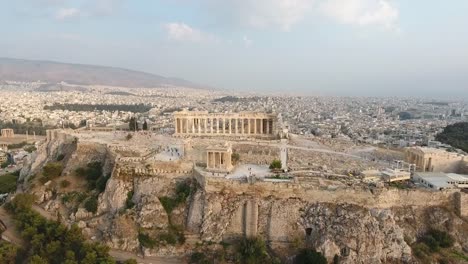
202,123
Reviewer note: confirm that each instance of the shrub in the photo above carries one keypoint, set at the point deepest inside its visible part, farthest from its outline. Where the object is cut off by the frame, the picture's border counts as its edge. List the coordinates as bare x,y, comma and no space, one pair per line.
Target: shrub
310,256
253,250
168,203
64,183
444,239
183,191
436,239
30,149
199,258
146,241
91,204
129,136
170,238
93,175
129,203
275,165
52,170
60,157
4,164
130,261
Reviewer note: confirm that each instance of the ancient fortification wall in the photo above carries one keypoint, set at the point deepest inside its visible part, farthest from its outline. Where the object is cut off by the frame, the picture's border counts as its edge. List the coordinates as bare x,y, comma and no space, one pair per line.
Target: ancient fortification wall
378,198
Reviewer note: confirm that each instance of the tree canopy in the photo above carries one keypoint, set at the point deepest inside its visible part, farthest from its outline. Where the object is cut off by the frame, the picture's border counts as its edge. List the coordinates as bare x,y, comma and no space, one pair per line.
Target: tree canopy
455,135
50,241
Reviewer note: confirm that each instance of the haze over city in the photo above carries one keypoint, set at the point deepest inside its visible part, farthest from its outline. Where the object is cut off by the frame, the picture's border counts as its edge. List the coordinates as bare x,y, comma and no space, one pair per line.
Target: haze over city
233,132
322,47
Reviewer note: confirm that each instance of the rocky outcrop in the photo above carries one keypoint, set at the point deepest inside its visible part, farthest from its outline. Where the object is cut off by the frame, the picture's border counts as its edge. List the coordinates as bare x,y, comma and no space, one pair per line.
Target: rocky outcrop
356,234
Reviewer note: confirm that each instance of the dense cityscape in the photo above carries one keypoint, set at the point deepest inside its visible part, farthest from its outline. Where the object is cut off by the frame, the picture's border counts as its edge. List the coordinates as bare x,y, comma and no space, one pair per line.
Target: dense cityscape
233,132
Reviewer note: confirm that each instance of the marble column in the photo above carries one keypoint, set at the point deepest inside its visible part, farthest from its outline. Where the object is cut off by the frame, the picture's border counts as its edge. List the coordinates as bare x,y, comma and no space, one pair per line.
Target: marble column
199,125
268,126
248,126
237,125
255,126
261,126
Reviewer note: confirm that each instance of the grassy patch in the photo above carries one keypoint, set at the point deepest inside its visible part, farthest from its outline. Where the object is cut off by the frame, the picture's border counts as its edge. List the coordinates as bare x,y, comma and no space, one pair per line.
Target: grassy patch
146,241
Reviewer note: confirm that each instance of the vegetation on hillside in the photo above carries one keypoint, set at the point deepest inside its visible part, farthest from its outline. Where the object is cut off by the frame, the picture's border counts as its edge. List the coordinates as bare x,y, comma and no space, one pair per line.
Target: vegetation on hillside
435,246
174,233
310,256
455,135
51,171
94,176
50,241
8,253
8,182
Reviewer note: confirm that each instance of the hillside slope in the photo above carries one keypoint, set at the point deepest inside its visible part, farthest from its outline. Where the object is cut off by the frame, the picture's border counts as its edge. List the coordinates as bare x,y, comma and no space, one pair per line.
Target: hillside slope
55,72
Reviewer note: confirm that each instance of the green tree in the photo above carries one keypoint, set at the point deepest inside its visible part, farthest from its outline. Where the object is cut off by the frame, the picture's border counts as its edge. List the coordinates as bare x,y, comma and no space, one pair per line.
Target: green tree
455,135
275,165
8,253
145,126
133,124
91,204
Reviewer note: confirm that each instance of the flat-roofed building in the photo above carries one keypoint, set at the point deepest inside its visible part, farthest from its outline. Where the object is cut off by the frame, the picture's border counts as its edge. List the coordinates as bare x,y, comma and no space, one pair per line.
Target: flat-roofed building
440,180
435,160
391,175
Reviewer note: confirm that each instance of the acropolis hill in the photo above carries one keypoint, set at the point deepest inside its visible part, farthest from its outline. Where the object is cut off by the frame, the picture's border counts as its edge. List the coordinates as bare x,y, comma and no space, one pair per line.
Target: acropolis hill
317,198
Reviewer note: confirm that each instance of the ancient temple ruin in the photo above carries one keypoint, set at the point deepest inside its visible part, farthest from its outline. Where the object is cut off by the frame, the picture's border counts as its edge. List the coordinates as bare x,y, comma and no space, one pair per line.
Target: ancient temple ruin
219,158
7,133
246,124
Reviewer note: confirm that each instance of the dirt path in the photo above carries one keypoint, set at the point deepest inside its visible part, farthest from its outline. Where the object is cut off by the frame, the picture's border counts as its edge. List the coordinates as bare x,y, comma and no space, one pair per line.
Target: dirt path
123,255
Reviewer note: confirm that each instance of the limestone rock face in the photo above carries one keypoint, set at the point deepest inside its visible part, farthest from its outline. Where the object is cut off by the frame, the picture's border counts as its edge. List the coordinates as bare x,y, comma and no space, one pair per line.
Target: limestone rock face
122,234
115,195
357,234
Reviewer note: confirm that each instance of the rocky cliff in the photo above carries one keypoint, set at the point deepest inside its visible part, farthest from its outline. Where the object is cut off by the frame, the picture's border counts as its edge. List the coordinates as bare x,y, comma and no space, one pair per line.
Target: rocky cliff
144,213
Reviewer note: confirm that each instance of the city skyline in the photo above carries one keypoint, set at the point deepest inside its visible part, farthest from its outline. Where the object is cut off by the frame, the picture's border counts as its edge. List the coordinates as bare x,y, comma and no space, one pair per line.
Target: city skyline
323,47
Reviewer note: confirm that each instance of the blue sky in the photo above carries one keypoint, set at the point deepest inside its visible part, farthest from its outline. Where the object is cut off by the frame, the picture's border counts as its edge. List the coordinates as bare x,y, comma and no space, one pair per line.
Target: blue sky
311,47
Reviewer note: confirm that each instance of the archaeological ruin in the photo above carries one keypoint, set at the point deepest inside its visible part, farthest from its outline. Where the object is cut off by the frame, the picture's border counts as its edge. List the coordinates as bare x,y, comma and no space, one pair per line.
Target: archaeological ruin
246,124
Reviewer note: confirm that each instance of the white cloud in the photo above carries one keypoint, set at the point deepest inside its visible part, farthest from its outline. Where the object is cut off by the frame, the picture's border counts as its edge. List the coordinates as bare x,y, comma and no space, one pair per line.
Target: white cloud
362,12
183,32
66,13
282,14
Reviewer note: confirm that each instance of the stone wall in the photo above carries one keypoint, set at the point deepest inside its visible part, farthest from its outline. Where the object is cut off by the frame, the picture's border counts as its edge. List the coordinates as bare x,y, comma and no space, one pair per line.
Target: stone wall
461,204
375,198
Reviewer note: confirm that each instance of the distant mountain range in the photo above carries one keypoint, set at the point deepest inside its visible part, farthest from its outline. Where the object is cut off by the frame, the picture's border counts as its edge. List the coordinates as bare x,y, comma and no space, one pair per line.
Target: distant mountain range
55,72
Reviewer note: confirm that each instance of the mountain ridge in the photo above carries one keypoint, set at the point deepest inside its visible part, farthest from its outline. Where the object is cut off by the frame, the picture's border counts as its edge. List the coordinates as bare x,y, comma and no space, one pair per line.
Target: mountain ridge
13,69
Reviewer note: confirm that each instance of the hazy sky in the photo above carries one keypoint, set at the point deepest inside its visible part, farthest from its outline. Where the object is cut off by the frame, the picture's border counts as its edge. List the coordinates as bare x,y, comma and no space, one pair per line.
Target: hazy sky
335,47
